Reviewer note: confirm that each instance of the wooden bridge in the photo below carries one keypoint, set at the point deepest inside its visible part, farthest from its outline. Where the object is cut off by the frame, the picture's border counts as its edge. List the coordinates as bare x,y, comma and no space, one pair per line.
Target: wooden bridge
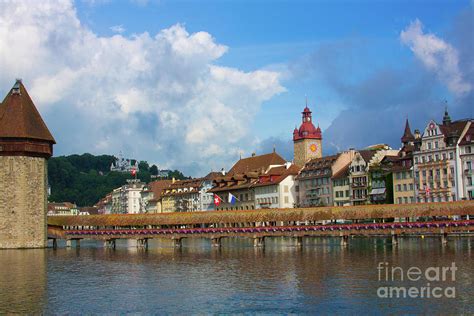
439,219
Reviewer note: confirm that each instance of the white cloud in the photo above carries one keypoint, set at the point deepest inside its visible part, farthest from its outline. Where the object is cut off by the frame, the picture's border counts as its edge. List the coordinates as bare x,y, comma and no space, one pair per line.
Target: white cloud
158,97
437,56
117,29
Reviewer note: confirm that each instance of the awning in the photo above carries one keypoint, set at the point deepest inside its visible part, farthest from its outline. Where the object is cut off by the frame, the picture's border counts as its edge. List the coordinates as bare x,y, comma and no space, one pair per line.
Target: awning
377,191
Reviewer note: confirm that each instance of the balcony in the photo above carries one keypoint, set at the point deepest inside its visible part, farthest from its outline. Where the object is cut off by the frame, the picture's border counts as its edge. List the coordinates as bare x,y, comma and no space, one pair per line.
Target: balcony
359,198
359,184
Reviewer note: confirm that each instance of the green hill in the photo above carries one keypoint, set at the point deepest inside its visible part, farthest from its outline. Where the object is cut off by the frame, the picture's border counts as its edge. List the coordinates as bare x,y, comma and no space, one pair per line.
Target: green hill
84,179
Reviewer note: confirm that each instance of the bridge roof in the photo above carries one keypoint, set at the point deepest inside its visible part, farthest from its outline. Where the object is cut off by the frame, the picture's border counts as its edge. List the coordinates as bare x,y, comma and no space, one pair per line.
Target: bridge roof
266,215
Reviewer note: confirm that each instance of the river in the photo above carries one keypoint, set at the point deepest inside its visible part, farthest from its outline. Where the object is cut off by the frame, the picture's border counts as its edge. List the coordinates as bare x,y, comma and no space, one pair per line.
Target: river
322,277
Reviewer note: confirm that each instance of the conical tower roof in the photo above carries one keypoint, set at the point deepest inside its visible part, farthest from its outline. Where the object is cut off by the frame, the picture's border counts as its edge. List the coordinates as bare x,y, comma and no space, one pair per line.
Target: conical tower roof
22,130
407,135
19,118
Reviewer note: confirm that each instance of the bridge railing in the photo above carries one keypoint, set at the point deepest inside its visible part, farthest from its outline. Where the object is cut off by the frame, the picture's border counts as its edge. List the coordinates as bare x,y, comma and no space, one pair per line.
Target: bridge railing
252,217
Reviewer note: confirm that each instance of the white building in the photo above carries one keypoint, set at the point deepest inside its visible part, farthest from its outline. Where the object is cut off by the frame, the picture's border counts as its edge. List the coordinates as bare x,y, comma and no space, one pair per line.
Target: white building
127,199
276,188
436,161
123,165
466,162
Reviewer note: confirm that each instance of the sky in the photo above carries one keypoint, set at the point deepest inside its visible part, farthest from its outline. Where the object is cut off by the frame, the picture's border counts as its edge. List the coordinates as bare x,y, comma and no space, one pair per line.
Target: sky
194,85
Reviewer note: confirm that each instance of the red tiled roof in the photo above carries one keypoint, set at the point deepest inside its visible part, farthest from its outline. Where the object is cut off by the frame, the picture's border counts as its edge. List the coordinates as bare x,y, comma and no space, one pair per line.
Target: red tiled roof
20,119
367,154
454,128
468,138
343,173
276,175
256,163
157,187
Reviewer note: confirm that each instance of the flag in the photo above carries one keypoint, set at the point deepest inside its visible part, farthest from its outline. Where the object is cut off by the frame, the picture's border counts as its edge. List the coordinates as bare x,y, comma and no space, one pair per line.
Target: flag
217,200
232,199
134,172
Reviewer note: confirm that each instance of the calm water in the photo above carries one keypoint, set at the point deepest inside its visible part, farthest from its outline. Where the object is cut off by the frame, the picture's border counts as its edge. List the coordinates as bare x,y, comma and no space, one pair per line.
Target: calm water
281,279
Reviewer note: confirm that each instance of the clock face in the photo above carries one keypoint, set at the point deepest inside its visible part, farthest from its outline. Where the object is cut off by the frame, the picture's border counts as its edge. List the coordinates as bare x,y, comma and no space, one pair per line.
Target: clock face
313,148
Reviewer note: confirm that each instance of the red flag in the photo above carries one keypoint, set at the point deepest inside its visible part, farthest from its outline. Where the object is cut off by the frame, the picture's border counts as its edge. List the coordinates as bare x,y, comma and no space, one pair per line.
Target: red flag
217,200
134,172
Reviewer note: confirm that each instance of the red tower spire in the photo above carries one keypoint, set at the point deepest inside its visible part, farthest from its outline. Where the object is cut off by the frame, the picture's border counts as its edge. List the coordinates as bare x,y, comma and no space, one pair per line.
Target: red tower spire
307,129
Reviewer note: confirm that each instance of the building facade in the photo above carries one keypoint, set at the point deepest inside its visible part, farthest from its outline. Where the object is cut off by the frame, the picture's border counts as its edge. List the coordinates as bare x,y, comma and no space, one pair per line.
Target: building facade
122,164
314,182
127,199
466,162
241,179
189,195
62,209
435,161
277,188
341,187
402,169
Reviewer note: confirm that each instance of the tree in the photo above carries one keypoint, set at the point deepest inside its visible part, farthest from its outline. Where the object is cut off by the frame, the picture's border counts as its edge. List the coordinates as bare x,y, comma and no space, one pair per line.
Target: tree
154,170
143,166
85,179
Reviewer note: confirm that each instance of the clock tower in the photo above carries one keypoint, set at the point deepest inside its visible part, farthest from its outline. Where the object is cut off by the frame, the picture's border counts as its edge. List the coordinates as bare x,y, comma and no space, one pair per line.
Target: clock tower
307,140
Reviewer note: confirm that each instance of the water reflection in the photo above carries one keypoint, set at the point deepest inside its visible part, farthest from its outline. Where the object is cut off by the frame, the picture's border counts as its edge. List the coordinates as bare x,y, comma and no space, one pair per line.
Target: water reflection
22,281
321,277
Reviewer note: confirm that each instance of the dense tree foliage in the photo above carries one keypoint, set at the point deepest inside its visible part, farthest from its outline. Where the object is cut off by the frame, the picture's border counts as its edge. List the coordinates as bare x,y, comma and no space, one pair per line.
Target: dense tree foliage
84,179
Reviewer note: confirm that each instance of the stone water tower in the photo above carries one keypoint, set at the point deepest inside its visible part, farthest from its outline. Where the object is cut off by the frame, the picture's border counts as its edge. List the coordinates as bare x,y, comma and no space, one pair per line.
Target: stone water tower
25,146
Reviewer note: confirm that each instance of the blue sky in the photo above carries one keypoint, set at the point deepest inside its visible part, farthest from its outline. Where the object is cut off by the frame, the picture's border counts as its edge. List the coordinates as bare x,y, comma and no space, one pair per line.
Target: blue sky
241,86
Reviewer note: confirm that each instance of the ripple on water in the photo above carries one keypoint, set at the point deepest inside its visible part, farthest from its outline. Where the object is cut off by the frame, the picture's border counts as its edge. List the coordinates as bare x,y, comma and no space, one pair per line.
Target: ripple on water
280,279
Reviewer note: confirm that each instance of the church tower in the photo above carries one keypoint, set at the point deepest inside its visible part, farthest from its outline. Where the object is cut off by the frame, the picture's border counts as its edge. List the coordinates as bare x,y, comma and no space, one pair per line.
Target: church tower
25,146
307,140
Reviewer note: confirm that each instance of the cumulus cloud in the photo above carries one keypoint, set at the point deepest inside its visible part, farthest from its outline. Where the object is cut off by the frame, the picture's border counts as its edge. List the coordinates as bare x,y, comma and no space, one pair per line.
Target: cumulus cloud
437,56
158,97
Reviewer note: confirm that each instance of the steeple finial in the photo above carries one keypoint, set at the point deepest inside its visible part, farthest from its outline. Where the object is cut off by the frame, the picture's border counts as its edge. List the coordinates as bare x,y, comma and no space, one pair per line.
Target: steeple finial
446,117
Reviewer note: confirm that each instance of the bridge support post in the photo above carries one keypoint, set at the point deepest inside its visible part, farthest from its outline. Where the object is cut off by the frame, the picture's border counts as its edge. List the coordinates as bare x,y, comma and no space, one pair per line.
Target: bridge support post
299,242
109,243
444,237
68,243
55,243
344,240
259,242
177,243
216,242
142,243
394,238
78,243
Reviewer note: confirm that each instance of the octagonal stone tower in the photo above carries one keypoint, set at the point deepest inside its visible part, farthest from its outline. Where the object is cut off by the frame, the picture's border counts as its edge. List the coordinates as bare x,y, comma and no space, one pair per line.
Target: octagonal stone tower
25,146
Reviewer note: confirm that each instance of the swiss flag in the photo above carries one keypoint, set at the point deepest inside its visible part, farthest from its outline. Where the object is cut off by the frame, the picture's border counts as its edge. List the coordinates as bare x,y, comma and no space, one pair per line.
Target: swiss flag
134,172
217,200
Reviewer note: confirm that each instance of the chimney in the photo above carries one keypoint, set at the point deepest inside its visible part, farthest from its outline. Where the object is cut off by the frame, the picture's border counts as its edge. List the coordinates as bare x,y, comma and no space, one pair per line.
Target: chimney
223,171
173,180
253,154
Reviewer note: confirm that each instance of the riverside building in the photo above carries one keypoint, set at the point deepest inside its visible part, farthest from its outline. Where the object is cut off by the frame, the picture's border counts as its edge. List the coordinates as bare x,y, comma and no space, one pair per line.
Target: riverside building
437,169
